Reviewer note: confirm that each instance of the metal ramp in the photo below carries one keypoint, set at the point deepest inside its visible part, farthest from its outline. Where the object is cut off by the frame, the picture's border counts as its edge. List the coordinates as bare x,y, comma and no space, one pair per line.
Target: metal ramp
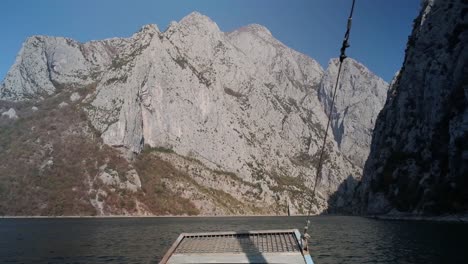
269,246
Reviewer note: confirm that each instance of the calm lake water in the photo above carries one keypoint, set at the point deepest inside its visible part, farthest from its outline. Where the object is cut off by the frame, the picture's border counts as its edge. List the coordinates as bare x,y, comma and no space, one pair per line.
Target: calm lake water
335,239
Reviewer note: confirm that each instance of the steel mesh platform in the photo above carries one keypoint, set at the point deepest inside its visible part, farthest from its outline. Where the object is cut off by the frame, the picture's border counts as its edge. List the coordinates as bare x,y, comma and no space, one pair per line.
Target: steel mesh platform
270,246
235,243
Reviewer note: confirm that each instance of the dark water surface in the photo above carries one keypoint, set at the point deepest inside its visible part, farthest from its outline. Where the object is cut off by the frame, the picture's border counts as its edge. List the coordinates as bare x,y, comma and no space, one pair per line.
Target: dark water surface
335,239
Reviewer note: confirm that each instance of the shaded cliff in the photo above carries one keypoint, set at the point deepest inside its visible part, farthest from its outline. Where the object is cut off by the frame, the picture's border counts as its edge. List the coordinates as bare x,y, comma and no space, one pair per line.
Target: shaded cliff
419,154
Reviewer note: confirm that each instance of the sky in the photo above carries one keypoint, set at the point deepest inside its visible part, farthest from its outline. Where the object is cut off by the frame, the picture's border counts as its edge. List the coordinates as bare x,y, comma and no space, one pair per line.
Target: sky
315,27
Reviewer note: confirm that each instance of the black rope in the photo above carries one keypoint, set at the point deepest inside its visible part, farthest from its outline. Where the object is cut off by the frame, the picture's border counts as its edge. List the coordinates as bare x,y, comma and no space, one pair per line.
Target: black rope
318,175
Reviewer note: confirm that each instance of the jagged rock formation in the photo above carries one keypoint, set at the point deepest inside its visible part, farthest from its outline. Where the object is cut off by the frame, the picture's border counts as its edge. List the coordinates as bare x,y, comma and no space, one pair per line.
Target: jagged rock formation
419,156
235,118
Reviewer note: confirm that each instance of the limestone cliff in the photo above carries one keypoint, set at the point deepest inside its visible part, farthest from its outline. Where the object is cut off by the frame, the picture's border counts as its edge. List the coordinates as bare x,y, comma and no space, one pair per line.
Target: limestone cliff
418,162
360,97
236,119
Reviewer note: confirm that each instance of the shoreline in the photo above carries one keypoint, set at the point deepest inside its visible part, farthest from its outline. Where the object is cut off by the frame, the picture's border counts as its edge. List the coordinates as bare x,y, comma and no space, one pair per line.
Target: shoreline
446,218
140,216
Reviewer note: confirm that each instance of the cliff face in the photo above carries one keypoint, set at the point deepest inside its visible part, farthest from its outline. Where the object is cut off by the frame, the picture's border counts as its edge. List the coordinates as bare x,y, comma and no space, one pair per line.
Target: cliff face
419,155
235,118
360,97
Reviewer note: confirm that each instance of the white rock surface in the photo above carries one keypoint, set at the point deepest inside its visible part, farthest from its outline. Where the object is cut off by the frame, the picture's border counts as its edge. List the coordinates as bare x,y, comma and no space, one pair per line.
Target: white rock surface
11,113
111,178
63,104
360,97
75,97
241,102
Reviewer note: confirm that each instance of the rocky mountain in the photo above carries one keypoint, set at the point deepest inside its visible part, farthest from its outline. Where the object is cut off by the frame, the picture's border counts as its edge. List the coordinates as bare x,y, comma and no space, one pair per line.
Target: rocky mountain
418,162
189,120
361,96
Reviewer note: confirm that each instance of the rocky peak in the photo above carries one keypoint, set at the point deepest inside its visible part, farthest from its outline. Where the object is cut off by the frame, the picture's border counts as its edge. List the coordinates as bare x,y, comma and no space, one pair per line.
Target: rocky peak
146,32
195,23
43,65
242,102
149,28
360,97
281,62
195,37
256,29
195,18
257,32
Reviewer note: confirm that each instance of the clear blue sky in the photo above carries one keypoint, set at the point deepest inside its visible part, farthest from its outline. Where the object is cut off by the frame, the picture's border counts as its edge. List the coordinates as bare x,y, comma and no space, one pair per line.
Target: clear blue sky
314,27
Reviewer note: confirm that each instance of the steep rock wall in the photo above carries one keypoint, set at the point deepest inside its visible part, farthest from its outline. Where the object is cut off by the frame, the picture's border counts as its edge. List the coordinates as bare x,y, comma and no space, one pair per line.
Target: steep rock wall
419,155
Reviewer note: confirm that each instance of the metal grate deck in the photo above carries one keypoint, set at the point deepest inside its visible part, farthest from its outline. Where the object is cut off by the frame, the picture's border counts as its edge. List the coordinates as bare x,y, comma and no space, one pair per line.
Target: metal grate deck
237,243
270,246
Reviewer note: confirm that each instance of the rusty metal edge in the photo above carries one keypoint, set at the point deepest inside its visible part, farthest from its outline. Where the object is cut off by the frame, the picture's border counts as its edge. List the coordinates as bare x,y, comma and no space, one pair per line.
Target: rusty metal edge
171,250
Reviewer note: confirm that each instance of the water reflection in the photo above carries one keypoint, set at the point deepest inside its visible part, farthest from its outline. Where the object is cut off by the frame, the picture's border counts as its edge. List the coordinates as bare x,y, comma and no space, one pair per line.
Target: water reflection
335,239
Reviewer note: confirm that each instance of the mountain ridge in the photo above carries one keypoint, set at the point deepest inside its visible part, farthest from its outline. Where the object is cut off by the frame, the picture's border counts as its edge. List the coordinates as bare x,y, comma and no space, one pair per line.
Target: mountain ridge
244,109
